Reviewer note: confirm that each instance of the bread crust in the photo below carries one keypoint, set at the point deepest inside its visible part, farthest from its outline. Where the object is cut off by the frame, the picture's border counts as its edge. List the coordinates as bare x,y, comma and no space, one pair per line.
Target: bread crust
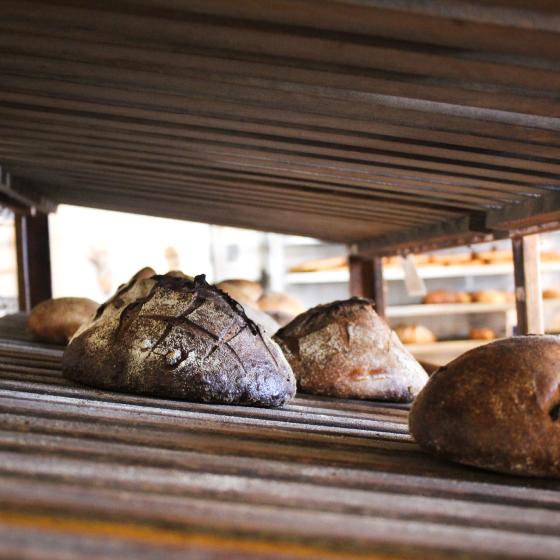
171,337
495,407
56,320
344,349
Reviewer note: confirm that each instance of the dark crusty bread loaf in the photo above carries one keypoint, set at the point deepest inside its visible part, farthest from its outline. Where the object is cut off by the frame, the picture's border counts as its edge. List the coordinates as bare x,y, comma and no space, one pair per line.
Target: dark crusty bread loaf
172,337
56,320
496,407
344,349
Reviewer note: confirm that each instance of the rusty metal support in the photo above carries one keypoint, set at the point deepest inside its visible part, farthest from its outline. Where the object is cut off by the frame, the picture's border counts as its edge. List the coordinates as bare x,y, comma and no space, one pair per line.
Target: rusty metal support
33,259
528,295
366,280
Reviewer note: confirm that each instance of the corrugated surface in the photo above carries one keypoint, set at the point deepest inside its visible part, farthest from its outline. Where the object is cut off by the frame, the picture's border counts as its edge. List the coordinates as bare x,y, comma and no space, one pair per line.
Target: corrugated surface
93,474
345,120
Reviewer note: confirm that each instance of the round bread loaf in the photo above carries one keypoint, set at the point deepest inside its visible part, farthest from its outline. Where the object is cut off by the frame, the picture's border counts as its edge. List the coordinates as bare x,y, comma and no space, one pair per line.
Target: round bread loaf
489,296
236,286
551,293
56,320
344,349
482,333
171,337
414,334
496,407
281,302
444,296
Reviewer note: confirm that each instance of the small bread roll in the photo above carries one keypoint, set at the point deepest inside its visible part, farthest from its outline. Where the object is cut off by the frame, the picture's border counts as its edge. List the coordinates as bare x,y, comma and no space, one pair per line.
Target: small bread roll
550,256
494,256
56,320
551,293
414,334
463,297
482,333
281,302
252,290
489,296
444,296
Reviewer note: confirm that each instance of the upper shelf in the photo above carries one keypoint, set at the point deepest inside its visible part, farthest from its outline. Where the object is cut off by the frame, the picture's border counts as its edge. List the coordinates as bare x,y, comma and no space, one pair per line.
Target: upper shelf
395,273
380,124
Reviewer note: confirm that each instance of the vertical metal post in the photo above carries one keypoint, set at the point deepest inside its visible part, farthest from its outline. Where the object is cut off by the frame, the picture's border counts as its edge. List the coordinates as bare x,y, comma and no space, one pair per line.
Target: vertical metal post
528,295
33,259
366,280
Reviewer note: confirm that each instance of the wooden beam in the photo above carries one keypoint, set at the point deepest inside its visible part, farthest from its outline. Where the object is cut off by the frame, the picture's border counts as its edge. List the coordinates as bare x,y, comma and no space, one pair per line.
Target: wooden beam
366,280
535,215
461,231
528,295
33,260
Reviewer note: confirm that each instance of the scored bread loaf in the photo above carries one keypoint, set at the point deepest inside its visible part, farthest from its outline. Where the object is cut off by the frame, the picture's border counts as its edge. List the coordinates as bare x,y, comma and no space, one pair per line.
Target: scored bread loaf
168,336
344,349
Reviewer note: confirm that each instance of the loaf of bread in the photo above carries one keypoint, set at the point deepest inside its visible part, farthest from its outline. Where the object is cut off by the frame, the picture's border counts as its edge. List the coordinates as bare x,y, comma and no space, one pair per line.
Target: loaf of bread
550,256
414,334
495,407
495,256
489,296
344,349
482,333
445,296
168,336
286,303
551,293
56,320
246,289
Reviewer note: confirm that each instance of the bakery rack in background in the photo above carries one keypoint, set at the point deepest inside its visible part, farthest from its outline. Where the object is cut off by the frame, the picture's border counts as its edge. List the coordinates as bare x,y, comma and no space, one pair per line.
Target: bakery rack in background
388,127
